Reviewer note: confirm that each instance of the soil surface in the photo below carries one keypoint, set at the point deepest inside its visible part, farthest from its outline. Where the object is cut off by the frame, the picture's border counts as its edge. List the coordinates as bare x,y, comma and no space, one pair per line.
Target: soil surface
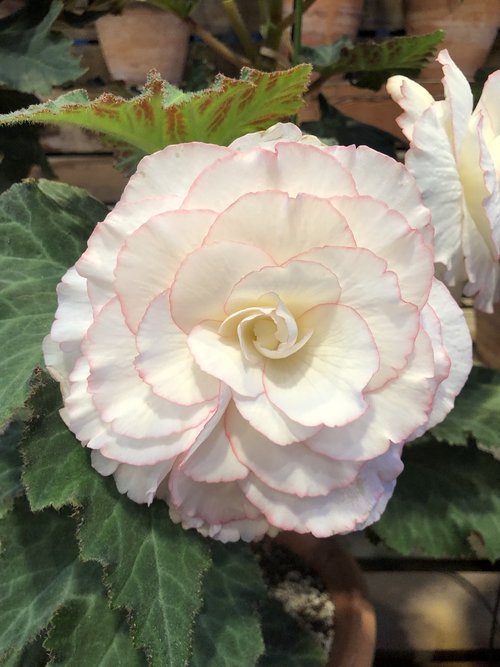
298,588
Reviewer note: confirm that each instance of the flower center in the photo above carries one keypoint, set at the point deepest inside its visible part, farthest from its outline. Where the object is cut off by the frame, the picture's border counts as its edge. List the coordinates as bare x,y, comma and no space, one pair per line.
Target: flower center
270,332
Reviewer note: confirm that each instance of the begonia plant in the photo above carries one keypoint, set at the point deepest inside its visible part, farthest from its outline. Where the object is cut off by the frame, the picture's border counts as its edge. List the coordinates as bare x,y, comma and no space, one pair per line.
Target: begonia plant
257,338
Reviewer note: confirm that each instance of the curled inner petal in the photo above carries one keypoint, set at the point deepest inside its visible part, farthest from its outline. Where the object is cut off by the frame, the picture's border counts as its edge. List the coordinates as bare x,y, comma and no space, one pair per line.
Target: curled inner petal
270,332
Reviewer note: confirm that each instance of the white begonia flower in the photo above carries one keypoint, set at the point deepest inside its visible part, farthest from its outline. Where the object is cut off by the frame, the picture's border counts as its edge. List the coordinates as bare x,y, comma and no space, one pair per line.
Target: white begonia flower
455,157
254,331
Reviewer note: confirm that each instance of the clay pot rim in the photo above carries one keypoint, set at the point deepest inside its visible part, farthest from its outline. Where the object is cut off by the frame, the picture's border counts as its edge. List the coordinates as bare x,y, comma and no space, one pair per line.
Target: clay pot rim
355,619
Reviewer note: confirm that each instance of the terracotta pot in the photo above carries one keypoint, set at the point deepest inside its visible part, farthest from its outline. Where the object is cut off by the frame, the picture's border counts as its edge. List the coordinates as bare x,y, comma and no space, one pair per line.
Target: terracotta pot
355,622
327,20
470,26
140,38
487,337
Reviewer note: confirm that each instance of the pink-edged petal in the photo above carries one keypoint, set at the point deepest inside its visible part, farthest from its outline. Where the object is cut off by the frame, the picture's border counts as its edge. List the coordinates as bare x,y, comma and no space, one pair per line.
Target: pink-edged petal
265,417
299,285
393,322
458,95
165,361
171,171
457,342
121,397
213,461
431,160
341,511
214,504
206,278
61,348
140,483
394,412
389,467
413,98
165,240
388,235
273,135
293,469
280,225
98,262
248,530
256,170
221,357
382,178
81,417
323,382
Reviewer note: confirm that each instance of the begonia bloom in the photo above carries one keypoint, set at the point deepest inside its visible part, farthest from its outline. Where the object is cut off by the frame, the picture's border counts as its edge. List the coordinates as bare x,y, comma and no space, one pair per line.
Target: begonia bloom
455,157
253,333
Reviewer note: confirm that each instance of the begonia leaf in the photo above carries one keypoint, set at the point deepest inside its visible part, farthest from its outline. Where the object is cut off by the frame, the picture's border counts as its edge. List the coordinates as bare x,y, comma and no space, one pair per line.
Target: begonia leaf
32,59
228,628
444,496
39,572
476,413
163,114
153,567
287,642
10,466
87,632
369,64
43,230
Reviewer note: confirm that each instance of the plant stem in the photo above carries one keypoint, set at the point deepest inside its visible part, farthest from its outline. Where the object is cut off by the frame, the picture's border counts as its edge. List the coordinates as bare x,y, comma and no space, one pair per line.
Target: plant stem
239,27
216,45
289,20
298,10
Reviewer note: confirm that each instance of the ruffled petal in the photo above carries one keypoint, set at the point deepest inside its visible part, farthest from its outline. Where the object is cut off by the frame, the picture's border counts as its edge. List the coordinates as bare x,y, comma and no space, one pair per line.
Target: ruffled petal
293,469
412,97
388,235
205,279
119,394
281,225
271,422
323,382
165,240
382,178
165,362
320,175
393,322
171,171
140,483
213,461
457,343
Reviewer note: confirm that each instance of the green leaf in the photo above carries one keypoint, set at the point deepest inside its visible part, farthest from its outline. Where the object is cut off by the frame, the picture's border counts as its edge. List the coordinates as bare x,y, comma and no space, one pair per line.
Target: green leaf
32,59
42,576
153,567
10,466
476,412
287,642
228,629
43,230
87,632
444,496
40,571
164,115
370,64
